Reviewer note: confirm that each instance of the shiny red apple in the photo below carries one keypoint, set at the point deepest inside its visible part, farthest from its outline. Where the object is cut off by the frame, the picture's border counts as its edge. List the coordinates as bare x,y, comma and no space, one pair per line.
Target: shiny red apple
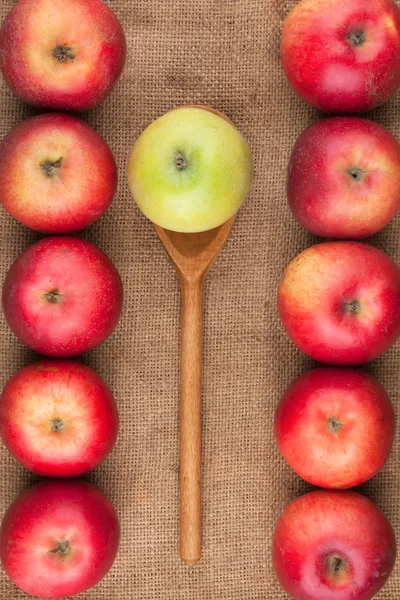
59,538
57,175
335,426
344,178
58,418
343,56
62,296
65,55
340,302
331,545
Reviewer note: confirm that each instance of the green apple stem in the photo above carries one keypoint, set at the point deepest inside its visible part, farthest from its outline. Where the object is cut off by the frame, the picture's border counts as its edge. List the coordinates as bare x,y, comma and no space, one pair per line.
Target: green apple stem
180,162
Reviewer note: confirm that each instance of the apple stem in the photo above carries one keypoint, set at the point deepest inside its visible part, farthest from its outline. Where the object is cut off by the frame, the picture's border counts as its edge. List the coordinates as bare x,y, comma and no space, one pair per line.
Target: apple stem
63,53
357,37
336,564
51,168
334,425
53,297
63,548
180,162
57,425
357,174
353,307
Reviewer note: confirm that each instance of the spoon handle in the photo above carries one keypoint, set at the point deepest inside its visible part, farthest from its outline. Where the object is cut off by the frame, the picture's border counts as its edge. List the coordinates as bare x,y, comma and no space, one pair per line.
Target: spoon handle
190,421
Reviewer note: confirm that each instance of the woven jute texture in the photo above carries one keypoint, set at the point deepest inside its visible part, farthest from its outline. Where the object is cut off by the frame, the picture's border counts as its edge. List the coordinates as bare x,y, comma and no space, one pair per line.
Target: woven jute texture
224,53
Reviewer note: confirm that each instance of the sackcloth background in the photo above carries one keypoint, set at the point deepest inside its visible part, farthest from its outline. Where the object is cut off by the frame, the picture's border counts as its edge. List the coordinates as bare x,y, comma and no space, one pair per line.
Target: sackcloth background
223,53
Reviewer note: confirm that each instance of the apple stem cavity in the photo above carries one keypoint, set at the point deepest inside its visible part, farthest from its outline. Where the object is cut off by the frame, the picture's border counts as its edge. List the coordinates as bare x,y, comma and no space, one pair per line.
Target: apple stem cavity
57,425
334,425
357,174
63,53
356,38
50,169
336,565
53,297
62,549
180,162
353,307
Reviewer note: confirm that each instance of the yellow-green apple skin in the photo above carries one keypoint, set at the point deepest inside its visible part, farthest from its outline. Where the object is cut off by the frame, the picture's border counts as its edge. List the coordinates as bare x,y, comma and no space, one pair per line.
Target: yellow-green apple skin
190,170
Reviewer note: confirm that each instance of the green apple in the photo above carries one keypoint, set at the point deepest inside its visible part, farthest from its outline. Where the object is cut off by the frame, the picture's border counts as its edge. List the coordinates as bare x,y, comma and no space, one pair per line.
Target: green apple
190,170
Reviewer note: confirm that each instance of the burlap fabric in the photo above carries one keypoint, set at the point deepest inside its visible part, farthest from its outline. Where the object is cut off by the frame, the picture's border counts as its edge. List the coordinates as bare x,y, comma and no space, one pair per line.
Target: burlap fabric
224,53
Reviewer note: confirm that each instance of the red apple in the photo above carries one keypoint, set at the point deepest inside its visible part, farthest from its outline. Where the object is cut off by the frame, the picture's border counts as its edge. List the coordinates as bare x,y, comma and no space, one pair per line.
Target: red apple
62,296
58,418
331,545
65,55
340,301
57,175
344,178
335,427
59,538
343,56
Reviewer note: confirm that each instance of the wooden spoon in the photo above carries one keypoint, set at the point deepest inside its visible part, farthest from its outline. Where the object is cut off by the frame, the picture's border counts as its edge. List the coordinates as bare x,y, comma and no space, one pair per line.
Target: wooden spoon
192,255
